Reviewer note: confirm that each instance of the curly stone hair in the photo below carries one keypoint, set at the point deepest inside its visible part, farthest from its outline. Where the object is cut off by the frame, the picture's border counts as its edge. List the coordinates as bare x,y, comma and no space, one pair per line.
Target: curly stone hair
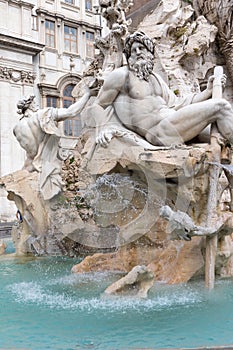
140,37
24,103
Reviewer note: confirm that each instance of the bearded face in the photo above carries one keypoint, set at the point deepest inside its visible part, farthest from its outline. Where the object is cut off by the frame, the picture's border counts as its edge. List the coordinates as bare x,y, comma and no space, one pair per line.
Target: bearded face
141,61
142,68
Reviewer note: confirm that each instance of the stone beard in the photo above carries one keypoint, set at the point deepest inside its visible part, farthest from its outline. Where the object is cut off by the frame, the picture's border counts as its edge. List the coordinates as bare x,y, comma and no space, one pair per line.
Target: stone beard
143,66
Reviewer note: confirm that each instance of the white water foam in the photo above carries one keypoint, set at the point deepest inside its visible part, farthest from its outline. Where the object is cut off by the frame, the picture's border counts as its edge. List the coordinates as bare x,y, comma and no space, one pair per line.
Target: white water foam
32,292
75,278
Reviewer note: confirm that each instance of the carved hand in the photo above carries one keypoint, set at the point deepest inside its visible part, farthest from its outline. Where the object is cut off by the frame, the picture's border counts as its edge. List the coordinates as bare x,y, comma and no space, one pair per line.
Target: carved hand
211,80
105,136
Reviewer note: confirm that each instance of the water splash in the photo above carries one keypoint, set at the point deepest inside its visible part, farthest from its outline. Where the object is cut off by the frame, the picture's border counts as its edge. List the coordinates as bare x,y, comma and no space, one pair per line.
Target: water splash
34,293
115,189
89,277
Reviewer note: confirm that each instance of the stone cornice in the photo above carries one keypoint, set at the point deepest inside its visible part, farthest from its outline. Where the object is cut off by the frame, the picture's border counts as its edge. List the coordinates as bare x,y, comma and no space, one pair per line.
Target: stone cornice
44,12
21,3
48,89
19,44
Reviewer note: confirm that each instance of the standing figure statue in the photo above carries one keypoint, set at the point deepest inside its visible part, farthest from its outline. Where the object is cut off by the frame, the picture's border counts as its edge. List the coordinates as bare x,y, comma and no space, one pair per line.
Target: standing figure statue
143,103
39,134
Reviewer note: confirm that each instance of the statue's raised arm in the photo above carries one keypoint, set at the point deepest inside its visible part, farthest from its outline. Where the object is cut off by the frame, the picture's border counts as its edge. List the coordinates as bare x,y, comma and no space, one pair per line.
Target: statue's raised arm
38,133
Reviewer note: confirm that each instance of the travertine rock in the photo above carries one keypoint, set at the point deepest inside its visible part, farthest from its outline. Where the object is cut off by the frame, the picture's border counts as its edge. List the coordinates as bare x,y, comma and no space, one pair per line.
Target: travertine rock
119,210
185,49
2,247
224,260
174,262
136,283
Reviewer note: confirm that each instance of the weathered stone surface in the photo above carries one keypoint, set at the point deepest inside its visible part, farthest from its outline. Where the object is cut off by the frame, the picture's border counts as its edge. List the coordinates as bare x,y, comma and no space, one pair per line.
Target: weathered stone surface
224,259
163,162
87,222
123,260
2,247
185,48
179,262
174,262
136,283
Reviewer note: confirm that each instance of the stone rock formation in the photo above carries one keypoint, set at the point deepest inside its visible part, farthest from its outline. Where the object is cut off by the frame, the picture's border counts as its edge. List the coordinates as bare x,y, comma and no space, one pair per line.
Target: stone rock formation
185,48
2,247
170,261
136,283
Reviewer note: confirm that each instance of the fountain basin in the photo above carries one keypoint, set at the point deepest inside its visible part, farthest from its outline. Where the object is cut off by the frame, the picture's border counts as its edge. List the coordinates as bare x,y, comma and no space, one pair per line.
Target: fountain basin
44,306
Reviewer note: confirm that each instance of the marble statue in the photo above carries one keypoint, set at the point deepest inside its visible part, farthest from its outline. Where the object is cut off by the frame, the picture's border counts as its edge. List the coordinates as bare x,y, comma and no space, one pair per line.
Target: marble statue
39,134
135,98
182,226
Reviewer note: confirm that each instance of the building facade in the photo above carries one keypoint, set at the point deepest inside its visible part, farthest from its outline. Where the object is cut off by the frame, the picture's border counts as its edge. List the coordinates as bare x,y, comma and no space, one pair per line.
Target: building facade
44,47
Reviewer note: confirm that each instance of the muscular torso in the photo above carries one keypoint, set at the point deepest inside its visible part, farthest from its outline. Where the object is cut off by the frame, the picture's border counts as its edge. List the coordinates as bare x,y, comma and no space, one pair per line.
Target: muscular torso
29,134
139,104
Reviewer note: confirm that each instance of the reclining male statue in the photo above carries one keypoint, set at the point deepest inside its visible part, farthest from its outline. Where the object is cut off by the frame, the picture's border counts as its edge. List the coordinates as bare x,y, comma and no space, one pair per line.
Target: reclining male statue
139,100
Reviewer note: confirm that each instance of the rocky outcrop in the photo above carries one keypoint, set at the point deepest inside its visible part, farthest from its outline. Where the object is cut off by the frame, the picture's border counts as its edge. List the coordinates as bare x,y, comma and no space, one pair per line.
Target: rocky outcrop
171,262
113,215
185,47
136,283
2,247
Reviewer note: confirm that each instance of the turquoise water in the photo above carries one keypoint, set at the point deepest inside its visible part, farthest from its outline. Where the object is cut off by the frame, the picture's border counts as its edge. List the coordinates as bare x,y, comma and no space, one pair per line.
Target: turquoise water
44,306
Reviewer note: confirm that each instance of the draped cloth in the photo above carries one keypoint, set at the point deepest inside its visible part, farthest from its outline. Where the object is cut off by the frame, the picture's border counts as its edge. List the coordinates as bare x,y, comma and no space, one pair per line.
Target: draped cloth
170,98
46,162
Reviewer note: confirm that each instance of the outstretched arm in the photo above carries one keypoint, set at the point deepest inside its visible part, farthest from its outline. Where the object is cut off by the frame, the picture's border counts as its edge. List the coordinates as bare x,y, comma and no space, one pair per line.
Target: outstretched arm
73,110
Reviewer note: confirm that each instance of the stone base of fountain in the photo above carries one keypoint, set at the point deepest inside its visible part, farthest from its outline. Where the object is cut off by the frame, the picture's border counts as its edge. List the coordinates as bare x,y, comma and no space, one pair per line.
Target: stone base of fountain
109,209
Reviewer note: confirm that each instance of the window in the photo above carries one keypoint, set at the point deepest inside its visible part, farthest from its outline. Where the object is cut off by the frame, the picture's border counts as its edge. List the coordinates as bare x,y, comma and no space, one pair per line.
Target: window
90,50
88,5
50,33
70,2
67,95
72,127
52,101
71,40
